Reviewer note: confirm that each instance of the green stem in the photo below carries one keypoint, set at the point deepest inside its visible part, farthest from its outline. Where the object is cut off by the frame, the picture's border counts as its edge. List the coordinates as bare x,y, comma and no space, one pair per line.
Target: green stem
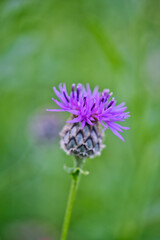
72,194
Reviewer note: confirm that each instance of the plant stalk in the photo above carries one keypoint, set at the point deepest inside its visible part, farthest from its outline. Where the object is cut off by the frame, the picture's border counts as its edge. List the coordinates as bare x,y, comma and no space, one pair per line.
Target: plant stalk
71,199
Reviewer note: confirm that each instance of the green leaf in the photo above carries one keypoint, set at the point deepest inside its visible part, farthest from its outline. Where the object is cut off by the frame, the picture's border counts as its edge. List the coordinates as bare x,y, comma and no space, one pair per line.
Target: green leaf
75,170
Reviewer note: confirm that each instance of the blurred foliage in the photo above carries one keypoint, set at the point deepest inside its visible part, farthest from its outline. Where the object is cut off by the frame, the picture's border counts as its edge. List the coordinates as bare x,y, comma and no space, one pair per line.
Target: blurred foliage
113,44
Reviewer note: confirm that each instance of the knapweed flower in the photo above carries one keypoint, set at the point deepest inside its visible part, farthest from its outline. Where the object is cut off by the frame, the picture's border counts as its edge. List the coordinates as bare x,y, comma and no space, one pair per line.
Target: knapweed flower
82,135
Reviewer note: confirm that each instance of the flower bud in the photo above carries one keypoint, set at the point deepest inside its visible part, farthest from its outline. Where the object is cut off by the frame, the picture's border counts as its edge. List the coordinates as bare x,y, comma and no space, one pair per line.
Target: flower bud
82,143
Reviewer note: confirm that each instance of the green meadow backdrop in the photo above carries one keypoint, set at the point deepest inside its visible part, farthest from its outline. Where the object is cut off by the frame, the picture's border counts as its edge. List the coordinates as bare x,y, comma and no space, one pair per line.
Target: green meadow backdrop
114,44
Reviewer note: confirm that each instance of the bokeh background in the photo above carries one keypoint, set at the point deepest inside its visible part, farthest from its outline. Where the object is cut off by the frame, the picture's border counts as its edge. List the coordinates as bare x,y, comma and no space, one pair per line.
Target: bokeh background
111,43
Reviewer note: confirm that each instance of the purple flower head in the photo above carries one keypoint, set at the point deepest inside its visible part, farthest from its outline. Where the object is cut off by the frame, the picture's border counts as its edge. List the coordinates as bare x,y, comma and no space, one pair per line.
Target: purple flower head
89,107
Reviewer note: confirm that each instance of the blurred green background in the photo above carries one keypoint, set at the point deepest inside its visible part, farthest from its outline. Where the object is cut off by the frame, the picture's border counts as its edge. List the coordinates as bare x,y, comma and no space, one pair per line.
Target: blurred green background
111,43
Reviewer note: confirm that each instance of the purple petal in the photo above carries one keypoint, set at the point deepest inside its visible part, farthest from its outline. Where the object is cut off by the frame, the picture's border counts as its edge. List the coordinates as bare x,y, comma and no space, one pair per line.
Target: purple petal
61,105
72,92
75,120
95,91
83,124
55,110
88,90
89,122
125,128
116,133
74,112
113,125
59,95
120,105
104,125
